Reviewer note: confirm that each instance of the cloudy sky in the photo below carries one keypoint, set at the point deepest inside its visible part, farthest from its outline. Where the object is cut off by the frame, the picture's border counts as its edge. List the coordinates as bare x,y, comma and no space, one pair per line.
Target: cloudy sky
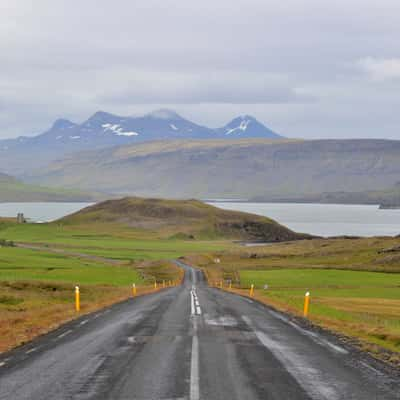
313,69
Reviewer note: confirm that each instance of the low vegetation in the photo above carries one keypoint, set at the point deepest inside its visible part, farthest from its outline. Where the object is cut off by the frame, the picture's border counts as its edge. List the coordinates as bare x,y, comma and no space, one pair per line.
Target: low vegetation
190,219
29,308
354,284
103,256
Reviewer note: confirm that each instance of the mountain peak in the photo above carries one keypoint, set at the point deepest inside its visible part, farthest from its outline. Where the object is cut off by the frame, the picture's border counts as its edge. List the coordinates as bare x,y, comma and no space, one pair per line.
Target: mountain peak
243,118
248,126
164,113
63,124
100,116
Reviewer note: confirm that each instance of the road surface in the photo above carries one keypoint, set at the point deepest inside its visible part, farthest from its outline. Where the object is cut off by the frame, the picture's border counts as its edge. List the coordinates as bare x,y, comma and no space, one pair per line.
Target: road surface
189,342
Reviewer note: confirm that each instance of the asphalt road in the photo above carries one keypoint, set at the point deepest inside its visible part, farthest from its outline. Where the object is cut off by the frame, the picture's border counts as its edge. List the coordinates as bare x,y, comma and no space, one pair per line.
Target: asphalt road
190,342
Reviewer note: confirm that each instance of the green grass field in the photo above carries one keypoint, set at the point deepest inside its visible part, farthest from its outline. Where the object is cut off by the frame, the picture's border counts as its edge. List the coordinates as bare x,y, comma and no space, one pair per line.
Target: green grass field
37,285
362,303
354,283
107,240
23,264
325,282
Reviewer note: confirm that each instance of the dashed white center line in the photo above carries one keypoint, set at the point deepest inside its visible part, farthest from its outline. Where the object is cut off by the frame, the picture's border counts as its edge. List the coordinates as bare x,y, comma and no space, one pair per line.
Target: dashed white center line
194,366
2,364
85,321
194,302
192,308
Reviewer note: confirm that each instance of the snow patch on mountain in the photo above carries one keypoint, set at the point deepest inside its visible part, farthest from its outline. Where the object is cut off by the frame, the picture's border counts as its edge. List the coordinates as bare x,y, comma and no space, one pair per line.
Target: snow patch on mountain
116,128
242,127
173,127
127,134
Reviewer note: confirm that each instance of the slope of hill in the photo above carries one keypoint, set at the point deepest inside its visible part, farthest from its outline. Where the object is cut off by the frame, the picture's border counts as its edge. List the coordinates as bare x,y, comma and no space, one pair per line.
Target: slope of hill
12,190
183,218
104,130
245,169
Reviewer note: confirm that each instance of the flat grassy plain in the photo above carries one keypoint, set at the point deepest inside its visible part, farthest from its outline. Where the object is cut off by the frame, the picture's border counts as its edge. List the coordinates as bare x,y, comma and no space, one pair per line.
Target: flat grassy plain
368,303
108,240
354,283
37,281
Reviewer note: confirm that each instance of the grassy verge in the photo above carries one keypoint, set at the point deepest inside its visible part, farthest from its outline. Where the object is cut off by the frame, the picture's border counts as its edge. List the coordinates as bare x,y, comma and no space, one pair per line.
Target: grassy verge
37,284
32,308
362,304
354,284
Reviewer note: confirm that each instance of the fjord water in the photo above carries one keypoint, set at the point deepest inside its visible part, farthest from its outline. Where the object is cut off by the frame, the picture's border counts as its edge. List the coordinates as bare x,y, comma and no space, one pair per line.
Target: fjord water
40,212
317,219
325,219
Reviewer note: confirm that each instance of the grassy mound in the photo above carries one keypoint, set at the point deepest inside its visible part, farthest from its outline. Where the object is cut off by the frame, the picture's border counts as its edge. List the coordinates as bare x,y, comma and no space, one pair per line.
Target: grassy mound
183,218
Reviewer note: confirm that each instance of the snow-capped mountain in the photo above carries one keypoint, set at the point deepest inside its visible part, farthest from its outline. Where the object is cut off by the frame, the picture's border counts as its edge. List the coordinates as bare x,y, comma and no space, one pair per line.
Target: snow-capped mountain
103,129
246,126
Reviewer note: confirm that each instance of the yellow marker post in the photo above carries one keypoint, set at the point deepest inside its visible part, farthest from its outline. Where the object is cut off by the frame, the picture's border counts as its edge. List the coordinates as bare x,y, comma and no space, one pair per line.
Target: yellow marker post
134,290
221,284
306,304
155,284
251,290
230,285
163,284
77,299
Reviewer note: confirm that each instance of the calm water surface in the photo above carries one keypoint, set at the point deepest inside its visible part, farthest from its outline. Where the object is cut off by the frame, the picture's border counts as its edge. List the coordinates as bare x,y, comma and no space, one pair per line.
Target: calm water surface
40,212
318,219
326,219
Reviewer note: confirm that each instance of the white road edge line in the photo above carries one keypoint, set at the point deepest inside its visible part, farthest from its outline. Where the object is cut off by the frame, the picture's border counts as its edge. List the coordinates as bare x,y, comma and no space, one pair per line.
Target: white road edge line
312,335
309,377
85,321
2,364
64,334
32,350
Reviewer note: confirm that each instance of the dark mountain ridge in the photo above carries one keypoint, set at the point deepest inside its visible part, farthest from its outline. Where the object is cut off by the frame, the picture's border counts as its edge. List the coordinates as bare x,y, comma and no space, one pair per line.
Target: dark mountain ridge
103,130
238,169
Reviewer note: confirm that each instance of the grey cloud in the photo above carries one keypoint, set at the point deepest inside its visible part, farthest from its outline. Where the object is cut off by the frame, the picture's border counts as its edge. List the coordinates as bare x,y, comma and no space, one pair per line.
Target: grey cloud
221,87
298,65
381,69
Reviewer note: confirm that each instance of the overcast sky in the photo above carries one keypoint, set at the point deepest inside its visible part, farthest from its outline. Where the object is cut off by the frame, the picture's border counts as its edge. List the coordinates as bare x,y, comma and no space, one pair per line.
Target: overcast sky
305,68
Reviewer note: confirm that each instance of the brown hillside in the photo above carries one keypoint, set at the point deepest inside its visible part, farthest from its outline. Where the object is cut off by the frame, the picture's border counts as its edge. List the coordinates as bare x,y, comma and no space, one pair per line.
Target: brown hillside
183,218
